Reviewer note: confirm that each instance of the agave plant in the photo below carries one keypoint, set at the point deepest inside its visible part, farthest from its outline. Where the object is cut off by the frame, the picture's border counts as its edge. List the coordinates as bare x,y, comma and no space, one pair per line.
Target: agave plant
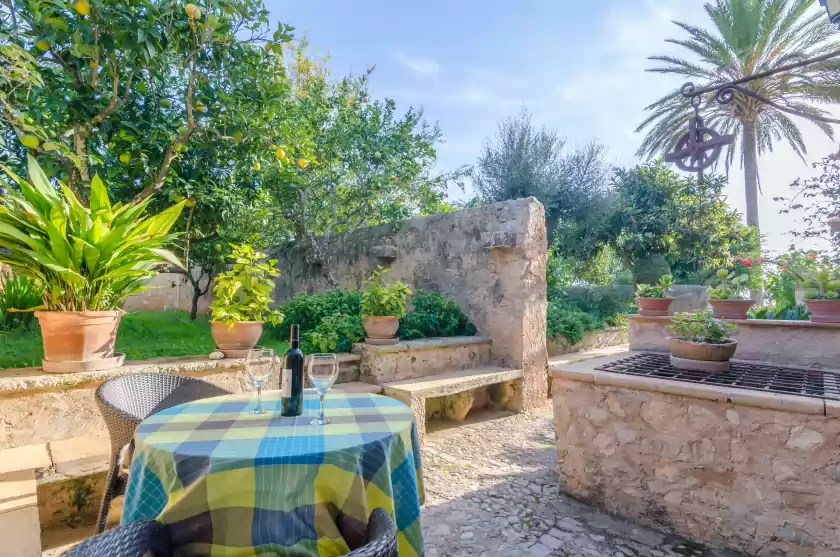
88,259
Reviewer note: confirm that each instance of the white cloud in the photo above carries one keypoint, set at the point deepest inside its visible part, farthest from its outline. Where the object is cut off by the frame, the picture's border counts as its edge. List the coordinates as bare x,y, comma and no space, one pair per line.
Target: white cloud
427,67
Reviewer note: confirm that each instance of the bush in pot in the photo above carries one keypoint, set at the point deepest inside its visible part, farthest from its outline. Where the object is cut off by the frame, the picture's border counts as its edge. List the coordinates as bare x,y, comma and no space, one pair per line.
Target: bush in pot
88,260
242,301
382,306
822,294
727,298
701,342
652,298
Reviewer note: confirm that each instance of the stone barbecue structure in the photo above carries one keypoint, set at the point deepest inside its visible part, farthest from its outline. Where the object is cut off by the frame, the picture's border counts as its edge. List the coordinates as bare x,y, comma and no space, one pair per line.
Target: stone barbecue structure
743,469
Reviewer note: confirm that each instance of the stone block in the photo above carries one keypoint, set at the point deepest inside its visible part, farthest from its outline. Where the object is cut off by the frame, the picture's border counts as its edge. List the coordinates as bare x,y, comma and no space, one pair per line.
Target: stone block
27,457
498,240
421,358
386,253
20,527
80,456
457,406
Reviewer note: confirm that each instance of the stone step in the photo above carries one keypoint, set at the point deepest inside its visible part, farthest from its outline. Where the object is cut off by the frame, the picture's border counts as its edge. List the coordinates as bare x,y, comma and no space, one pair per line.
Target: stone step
357,387
444,384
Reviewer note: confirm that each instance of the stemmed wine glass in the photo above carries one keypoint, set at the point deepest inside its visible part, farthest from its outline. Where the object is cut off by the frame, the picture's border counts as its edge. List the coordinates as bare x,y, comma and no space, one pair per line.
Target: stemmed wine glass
259,364
323,371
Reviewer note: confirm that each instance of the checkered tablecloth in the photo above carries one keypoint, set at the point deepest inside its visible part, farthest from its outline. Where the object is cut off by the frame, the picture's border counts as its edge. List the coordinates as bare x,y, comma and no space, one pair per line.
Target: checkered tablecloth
232,484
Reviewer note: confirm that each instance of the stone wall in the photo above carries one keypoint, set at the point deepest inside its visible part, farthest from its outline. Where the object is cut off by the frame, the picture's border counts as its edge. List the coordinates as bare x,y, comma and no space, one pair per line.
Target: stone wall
798,343
491,259
613,336
168,291
759,480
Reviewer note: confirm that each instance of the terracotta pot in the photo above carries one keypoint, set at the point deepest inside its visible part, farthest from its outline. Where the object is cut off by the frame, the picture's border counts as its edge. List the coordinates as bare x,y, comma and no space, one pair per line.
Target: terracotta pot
381,327
79,340
654,307
824,311
731,309
703,351
243,335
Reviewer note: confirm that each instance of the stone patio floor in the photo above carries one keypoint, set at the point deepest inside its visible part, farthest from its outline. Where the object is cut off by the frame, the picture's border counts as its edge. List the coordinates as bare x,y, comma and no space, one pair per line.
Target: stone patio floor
492,490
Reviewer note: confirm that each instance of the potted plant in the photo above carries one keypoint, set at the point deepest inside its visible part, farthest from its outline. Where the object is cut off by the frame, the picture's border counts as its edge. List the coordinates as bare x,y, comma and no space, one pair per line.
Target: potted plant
701,342
382,306
726,299
822,295
88,259
652,298
241,305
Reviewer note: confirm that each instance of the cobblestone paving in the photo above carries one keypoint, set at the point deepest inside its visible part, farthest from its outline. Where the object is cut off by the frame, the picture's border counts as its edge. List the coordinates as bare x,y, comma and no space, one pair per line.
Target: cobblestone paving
491,490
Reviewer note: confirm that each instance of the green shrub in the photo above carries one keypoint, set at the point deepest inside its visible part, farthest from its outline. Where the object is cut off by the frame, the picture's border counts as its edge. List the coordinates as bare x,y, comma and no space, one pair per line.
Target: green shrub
781,313
307,310
571,323
435,315
18,292
244,292
384,300
605,302
335,333
701,326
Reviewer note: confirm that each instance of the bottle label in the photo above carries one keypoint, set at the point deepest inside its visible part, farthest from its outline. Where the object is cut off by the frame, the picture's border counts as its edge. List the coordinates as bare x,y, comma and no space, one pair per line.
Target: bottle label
286,383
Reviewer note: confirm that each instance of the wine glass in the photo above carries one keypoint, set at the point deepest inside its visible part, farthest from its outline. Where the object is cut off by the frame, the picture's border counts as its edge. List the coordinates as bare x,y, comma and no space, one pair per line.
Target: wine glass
259,364
323,371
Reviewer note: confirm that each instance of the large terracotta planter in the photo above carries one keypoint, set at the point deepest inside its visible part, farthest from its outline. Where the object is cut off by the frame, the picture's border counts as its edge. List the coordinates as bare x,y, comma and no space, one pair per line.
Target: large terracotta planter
731,309
79,340
381,329
702,356
654,307
824,311
236,339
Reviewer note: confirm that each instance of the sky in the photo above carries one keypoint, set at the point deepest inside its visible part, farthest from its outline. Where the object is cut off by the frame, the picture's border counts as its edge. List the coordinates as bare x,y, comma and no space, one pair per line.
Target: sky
576,66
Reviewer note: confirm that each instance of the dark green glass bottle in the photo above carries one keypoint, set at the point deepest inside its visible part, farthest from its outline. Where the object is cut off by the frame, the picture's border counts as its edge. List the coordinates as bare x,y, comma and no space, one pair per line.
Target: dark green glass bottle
291,382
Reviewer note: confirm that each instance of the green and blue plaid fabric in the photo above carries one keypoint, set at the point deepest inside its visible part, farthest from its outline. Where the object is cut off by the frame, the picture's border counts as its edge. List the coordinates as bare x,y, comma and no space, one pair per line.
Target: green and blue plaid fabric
233,484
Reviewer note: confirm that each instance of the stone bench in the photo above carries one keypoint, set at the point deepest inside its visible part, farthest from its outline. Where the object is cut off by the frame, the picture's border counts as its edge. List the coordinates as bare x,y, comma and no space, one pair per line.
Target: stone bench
20,526
416,392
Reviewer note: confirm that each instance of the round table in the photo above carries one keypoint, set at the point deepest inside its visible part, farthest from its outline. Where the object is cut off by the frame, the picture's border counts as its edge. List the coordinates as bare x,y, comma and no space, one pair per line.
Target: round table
236,484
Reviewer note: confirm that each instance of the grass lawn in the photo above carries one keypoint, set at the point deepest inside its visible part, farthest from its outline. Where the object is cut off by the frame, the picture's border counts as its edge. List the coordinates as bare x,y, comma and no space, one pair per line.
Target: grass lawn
142,335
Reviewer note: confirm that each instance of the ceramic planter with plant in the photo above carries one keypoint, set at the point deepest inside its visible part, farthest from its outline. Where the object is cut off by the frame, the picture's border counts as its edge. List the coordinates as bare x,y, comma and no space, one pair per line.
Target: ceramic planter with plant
727,299
653,299
242,301
382,306
701,342
822,295
88,260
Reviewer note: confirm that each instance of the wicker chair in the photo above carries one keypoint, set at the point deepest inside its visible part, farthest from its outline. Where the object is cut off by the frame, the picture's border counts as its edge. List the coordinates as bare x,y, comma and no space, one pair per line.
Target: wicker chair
138,539
381,538
128,400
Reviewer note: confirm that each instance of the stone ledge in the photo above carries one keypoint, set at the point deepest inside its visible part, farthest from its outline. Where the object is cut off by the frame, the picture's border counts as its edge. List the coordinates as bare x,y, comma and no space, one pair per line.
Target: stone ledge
421,344
748,322
17,382
451,383
28,457
584,371
17,491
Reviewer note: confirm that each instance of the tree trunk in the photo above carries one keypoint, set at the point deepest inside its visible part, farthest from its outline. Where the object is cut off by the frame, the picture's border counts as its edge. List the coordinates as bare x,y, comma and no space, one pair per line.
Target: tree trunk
194,307
750,149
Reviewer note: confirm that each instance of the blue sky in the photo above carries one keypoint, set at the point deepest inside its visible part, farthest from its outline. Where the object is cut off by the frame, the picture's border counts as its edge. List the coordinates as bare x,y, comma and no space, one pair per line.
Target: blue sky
577,66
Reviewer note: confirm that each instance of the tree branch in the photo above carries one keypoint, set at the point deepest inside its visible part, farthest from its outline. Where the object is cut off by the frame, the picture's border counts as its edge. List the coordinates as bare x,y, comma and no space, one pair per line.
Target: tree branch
116,101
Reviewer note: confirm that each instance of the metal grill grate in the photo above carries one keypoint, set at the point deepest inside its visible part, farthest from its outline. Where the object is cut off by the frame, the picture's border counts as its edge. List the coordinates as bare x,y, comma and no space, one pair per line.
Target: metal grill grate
758,377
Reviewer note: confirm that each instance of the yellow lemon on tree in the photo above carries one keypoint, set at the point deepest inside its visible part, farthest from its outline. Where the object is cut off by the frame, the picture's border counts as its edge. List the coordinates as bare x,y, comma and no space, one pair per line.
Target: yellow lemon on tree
303,163
30,140
165,103
193,11
280,153
124,158
199,106
82,6
92,64
256,166
43,45
237,135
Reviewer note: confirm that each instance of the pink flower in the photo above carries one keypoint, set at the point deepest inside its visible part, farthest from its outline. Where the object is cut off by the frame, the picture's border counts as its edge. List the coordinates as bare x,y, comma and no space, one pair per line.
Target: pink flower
812,257
747,262
364,99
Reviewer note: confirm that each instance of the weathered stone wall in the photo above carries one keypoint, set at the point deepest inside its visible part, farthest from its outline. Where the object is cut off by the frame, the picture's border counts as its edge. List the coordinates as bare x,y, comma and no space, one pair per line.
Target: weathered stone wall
491,259
762,481
421,358
168,290
798,343
560,345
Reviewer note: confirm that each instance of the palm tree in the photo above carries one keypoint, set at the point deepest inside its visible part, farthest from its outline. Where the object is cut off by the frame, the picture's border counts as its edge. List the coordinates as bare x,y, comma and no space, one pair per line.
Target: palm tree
748,37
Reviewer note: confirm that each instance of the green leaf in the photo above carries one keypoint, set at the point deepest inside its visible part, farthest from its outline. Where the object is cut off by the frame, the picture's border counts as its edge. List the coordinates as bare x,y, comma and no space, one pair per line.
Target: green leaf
98,195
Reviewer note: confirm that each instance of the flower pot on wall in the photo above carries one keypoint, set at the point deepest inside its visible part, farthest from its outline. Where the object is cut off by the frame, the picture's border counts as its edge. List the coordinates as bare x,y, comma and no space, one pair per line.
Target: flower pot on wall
731,309
654,307
702,356
824,311
236,339
79,340
381,329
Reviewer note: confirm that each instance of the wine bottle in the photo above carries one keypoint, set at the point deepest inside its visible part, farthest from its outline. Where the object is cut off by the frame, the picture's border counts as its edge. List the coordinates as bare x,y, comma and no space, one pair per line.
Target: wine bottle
291,382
